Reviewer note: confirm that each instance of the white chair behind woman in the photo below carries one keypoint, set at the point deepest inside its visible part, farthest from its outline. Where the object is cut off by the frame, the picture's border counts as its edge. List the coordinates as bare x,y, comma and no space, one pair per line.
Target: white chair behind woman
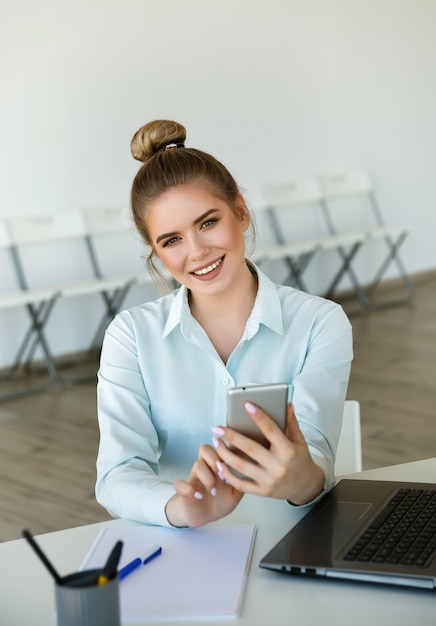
349,452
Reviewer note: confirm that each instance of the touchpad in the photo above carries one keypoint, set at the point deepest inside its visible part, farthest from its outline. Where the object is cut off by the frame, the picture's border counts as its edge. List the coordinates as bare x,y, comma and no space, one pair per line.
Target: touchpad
342,513
350,512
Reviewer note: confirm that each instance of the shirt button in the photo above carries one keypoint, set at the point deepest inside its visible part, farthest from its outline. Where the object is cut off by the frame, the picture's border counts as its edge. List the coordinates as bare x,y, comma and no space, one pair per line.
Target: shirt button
225,381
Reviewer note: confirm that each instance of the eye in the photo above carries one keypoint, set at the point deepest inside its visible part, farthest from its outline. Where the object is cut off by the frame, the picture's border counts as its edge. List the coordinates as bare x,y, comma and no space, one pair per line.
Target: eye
170,242
208,223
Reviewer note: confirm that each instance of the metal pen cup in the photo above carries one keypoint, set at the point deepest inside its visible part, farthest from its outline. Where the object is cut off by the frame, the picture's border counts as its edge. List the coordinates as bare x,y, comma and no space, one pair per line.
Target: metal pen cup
81,602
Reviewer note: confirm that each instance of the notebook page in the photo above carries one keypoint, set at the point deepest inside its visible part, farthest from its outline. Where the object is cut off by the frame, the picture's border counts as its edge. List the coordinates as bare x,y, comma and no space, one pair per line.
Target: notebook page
201,573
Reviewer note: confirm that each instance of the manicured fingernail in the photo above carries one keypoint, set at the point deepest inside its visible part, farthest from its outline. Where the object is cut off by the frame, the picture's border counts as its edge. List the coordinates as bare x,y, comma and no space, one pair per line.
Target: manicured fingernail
220,468
213,491
215,442
218,430
198,495
250,407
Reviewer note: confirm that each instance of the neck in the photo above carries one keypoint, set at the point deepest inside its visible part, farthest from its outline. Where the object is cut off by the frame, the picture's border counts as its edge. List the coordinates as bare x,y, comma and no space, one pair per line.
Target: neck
224,317
239,298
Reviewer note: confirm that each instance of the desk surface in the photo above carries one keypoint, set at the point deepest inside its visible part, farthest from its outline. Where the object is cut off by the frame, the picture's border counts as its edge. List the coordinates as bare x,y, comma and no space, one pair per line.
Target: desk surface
27,593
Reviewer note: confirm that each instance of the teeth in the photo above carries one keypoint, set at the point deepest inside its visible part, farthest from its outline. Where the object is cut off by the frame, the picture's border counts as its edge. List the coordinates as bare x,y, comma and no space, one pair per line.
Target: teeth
208,269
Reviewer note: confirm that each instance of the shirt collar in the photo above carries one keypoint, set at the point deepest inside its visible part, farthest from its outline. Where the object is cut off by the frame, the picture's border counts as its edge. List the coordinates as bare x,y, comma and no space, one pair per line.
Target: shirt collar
267,309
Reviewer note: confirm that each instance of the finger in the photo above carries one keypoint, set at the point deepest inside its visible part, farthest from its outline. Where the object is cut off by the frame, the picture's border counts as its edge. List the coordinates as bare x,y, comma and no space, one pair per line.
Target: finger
293,432
243,483
209,456
186,489
251,466
203,477
237,445
267,426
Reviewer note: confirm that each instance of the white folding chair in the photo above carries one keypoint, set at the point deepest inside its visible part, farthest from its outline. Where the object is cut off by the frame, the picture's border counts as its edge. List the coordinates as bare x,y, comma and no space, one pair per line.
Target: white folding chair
38,304
298,203
354,192
111,228
293,244
349,451
45,237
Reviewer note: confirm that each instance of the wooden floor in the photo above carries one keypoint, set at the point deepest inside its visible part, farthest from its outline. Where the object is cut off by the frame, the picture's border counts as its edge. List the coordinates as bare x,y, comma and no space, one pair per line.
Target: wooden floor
49,441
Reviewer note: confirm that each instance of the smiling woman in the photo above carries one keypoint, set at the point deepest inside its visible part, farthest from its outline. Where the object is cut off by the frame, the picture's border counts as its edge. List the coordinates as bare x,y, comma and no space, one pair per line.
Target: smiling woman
166,366
168,165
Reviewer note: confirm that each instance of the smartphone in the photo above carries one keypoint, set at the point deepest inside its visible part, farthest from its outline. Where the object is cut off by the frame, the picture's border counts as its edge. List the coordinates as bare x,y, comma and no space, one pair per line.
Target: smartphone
272,398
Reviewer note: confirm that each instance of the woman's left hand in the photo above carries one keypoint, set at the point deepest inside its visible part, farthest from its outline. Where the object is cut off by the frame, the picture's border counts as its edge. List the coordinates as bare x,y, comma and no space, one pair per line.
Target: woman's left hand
285,470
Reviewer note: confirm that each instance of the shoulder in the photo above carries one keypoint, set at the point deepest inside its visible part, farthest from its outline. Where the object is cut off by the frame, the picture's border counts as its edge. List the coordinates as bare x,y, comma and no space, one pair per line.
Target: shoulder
296,304
146,318
295,299
304,312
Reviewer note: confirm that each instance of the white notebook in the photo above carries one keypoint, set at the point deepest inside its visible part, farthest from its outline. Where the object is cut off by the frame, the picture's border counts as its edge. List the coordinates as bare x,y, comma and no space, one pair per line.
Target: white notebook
201,573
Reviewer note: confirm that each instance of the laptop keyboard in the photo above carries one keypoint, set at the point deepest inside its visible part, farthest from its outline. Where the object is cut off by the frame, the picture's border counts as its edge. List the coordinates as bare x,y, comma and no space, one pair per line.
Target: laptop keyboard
404,533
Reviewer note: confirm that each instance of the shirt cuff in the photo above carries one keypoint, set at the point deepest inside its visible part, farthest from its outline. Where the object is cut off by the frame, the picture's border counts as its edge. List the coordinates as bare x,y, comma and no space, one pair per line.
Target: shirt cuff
329,481
154,504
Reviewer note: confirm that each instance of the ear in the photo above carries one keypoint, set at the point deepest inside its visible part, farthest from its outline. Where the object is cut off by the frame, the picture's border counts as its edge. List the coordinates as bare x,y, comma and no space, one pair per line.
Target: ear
243,211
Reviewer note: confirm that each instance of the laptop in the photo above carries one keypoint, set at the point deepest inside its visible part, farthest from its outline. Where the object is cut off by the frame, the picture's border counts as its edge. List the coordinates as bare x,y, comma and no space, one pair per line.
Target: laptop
364,530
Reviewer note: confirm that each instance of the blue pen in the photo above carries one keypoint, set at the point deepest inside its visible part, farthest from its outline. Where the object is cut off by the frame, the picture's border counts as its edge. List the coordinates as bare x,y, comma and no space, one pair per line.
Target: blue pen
148,556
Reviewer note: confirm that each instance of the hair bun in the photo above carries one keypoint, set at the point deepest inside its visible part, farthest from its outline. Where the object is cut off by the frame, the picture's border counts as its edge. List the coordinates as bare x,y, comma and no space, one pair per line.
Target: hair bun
152,137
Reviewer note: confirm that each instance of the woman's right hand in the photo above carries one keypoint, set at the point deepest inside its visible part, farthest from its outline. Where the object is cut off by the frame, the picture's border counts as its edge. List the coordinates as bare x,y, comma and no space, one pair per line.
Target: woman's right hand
204,497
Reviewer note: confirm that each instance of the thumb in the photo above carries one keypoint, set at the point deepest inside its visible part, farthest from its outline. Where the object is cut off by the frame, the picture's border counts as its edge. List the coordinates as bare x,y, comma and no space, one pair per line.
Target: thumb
293,432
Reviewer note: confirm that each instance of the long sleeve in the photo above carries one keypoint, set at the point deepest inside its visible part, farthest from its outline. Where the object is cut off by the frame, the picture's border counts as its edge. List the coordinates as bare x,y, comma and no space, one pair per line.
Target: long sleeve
128,484
320,388
162,386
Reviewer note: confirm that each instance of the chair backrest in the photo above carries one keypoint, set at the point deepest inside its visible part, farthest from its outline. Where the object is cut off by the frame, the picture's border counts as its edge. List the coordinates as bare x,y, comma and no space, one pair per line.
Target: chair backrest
111,229
49,249
47,227
293,210
352,183
8,280
353,192
107,220
349,451
293,193
5,241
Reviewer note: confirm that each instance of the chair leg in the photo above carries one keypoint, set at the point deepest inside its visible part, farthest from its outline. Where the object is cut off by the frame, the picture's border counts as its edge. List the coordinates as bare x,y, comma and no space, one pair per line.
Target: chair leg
39,325
42,315
346,268
114,303
296,270
39,316
393,257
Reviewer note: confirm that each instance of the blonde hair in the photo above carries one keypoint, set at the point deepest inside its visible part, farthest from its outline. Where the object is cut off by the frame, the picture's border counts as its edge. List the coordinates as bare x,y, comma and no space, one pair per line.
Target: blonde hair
159,145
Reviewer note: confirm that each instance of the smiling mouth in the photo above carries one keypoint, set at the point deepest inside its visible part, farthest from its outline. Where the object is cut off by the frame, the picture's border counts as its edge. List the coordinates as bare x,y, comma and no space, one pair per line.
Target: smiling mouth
209,268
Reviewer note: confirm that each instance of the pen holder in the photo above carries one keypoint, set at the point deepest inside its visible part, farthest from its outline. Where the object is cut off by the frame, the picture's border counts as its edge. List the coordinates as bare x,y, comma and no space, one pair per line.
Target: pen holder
81,602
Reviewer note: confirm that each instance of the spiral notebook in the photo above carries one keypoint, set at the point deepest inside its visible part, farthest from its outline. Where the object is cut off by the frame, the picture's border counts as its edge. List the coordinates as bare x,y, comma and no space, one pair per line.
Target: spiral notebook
201,573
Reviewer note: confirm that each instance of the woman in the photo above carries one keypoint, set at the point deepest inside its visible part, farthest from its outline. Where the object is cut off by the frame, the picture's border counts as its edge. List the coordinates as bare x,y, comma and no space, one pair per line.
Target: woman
166,366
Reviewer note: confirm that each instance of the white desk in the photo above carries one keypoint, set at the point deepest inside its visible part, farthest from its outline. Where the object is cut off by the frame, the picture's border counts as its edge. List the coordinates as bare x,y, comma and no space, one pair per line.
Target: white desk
27,593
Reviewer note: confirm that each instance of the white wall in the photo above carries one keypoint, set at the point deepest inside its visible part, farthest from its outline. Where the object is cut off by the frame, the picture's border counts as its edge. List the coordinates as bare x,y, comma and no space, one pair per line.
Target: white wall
276,90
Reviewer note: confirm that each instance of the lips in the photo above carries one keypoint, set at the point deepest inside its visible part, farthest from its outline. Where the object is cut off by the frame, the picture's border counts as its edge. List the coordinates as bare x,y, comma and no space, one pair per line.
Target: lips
209,268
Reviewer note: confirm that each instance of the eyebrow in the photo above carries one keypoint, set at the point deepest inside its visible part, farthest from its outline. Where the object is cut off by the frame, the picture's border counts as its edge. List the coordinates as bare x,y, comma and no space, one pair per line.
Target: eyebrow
195,222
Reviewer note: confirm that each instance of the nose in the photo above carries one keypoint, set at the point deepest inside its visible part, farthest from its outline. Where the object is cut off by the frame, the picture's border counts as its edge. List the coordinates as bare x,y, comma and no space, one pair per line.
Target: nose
197,248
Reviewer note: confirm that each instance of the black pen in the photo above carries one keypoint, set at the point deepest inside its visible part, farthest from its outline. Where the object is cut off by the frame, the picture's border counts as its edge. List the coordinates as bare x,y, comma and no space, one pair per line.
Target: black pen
43,557
110,569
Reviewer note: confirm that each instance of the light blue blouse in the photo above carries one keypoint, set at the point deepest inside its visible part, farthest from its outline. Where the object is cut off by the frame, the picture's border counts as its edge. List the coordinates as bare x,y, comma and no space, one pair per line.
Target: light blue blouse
162,386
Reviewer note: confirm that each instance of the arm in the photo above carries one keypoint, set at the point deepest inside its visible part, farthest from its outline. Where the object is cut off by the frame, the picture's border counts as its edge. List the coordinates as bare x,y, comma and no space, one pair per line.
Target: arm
299,465
127,481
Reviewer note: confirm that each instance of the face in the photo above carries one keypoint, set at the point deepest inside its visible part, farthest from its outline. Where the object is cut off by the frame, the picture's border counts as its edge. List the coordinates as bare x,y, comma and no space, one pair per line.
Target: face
199,238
